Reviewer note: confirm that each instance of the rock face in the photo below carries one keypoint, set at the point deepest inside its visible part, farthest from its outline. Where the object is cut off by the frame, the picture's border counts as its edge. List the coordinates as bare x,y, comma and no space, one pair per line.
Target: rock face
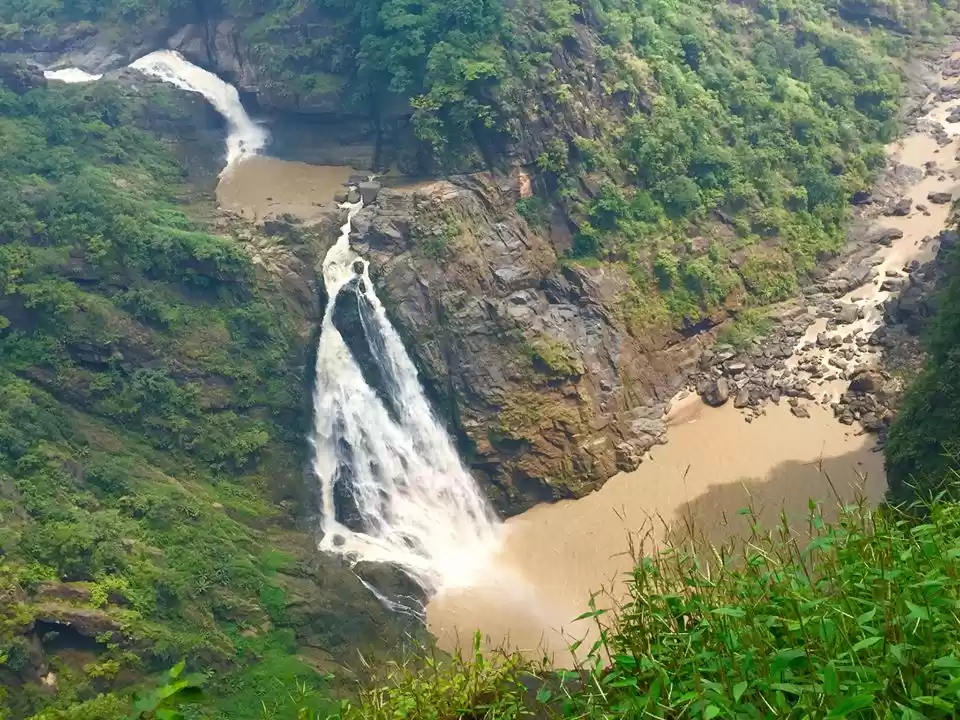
533,364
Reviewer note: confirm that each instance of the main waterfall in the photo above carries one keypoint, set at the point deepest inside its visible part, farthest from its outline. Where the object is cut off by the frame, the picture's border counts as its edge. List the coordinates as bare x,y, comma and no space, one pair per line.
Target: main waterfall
382,459
419,509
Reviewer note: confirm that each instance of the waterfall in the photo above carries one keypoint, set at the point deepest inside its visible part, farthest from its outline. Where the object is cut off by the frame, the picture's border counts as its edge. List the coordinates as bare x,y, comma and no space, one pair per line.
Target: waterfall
385,454
244,136
419,508
70,75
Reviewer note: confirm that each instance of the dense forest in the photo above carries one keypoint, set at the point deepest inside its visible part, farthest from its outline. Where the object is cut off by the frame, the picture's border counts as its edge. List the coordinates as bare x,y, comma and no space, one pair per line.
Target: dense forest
153,398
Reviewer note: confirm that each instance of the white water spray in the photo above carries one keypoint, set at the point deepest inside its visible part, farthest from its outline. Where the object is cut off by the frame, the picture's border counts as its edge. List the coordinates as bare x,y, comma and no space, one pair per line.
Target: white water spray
245,137
70,75
419,508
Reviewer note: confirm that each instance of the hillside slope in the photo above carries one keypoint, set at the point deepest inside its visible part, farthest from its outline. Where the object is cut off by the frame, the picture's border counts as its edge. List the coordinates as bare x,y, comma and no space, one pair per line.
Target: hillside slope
152,416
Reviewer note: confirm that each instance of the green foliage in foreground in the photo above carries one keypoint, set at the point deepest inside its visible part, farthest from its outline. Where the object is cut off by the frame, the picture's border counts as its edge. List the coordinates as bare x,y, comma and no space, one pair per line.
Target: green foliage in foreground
925,438
856,619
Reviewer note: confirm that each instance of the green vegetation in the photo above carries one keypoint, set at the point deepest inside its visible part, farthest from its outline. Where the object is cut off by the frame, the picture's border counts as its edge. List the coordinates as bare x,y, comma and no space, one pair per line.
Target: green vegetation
924,441
855,620
151,417
748,325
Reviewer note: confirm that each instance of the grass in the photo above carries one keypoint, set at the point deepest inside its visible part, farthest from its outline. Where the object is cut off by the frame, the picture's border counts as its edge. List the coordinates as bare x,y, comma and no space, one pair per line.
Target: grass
747,326
852,619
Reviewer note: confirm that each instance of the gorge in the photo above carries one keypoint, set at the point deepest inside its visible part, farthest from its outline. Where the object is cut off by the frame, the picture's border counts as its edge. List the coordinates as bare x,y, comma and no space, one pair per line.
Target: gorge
266,412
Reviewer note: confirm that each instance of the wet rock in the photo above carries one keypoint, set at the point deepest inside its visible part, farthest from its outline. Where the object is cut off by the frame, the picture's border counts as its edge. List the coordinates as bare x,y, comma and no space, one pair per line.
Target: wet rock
872,423
21,76
885,236
891,284
715,392
392,582
800,411
849,314
861,197
742,399
954,116
369,191
940,198
353,196
867,381
341,196
900,208
930,168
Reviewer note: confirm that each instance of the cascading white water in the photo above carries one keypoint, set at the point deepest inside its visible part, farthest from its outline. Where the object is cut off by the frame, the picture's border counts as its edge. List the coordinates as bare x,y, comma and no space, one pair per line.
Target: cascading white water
245,137
70,75
419,508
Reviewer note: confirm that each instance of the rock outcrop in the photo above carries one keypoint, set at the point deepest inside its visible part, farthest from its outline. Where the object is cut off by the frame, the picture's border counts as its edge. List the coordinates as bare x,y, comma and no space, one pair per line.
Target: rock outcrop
533,362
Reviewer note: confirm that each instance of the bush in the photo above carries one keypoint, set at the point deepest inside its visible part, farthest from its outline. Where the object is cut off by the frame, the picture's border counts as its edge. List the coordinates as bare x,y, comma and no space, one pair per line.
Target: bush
856,621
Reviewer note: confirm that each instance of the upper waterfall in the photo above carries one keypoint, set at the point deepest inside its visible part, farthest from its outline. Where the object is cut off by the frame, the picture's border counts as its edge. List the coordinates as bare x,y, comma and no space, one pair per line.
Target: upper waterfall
70,75
245,137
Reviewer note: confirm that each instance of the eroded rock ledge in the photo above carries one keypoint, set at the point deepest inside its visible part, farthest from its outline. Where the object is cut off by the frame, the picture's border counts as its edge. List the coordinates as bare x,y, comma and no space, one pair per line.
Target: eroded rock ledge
546,383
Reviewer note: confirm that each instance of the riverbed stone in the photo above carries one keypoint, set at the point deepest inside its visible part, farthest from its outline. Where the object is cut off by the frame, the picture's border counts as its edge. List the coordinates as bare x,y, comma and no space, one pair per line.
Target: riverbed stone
885,236
715,392
369,191
900,208
940,198
800,411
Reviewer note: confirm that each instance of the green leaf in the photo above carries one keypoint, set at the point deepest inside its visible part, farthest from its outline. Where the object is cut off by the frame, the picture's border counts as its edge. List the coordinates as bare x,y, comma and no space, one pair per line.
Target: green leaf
845,707
917,611
785,659
831,681
739,689
590,614
866,617
733,612
177,669
543,695
711,712
936,702
868,642
788,688
948,662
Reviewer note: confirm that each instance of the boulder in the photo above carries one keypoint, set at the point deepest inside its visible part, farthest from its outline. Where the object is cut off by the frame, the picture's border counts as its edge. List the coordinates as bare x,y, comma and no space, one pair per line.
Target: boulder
800,411
866,380
369,191
940,198
900,208
848,314
20,76
742,399
885,236
715,392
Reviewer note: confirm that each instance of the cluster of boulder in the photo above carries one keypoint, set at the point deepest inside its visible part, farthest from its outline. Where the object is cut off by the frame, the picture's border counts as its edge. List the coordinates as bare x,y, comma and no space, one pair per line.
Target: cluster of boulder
358,187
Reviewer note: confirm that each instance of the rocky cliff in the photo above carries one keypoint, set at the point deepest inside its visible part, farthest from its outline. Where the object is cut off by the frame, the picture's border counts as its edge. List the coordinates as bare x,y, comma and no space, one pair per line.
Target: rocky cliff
536,363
